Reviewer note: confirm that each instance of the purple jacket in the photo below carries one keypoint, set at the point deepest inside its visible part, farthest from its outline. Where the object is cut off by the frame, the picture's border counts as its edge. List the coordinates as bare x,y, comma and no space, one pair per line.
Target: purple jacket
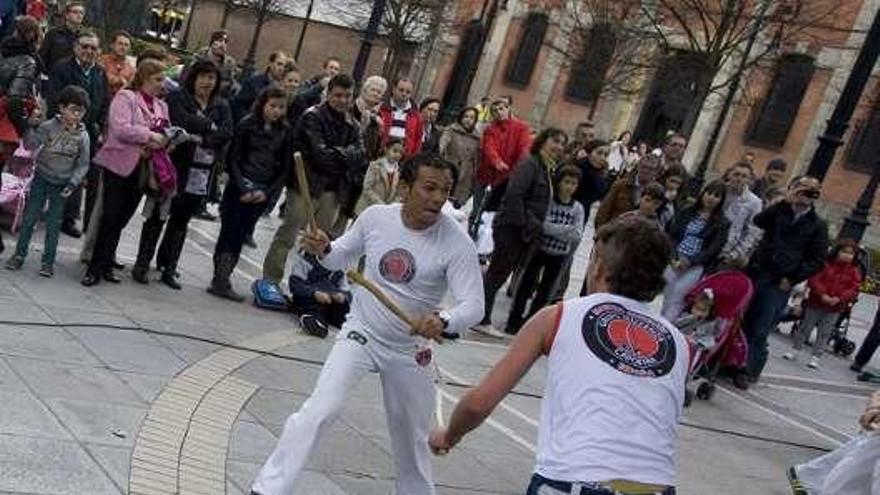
128,130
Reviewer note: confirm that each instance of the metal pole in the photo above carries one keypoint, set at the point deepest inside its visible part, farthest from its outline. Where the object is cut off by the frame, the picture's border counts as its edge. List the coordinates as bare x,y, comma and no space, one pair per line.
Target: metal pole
855,224
846,105
189,19
700,174
302,33
360,64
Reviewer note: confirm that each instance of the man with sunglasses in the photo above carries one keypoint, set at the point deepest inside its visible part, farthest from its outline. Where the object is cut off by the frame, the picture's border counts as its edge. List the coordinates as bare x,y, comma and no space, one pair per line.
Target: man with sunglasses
82,70
793,248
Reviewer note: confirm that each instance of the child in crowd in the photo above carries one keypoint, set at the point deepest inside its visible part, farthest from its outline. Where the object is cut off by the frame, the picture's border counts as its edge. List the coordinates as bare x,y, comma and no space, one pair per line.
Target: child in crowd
671,180
698,322
259,161
831,291
62,161
652,198
563,228
380,181
319,296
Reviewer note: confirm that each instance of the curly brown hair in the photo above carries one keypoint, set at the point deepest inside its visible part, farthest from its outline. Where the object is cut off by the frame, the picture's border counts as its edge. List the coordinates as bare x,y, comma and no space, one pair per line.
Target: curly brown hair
634,251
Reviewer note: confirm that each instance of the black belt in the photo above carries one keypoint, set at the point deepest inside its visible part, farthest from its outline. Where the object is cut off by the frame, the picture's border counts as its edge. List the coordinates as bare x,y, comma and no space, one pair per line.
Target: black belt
586,488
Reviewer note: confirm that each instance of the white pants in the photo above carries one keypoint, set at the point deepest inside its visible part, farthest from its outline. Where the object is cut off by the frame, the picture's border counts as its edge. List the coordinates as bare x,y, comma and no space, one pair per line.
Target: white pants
678,284
408,392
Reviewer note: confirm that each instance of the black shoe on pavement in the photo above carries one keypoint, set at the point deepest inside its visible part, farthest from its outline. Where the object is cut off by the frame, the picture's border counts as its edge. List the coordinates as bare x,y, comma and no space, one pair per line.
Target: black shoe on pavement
206,215
314,326
70,229
139,274
169,278
111,277
90,279
115,265
741,381
856,367
450,335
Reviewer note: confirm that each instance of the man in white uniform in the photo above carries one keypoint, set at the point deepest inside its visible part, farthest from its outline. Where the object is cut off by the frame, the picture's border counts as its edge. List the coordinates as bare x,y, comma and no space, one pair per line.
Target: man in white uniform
615,376
413,254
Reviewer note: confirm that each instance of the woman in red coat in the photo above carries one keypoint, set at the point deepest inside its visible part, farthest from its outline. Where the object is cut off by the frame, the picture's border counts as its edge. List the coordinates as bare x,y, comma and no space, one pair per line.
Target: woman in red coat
834,288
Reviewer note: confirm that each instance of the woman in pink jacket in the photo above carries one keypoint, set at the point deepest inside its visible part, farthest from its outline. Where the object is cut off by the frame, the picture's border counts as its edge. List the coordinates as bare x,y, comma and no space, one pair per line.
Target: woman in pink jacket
136,116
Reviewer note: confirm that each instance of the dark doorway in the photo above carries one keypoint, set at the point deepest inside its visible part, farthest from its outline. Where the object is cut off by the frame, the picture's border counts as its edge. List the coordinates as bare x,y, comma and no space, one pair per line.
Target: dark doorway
676,97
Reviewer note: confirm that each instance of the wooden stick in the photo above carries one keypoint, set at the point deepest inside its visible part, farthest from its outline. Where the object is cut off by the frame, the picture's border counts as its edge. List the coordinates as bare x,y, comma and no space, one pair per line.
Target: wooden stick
303,180
359,279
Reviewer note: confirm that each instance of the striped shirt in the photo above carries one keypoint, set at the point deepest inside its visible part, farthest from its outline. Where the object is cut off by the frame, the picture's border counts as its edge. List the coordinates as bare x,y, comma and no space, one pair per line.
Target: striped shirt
398,120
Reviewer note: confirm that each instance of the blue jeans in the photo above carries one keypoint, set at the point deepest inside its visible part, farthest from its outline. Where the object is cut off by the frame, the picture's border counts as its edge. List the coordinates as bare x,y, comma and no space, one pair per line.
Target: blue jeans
42,190
541,486
762,317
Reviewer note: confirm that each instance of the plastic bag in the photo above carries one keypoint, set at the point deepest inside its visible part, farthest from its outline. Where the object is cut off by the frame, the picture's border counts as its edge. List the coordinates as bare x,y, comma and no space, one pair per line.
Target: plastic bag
852,469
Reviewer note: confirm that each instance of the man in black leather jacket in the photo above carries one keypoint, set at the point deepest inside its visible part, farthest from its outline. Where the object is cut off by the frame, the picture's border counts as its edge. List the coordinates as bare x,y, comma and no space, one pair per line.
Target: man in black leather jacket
333,150
794,247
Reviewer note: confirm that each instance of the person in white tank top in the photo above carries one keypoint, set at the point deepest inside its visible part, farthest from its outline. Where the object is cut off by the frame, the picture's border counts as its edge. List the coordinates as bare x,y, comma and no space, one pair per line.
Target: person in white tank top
615,376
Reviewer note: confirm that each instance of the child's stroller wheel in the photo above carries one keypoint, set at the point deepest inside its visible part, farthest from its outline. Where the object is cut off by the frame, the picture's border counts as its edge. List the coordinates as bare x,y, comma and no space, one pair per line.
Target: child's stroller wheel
705,391
688,397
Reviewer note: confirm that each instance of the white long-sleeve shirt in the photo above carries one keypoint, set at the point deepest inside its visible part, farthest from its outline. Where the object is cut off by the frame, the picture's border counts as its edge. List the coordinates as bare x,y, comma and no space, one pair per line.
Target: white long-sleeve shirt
414,268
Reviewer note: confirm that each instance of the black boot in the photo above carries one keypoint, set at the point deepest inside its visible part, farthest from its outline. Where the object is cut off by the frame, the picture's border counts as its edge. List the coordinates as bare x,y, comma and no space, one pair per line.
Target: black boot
169,279
224,264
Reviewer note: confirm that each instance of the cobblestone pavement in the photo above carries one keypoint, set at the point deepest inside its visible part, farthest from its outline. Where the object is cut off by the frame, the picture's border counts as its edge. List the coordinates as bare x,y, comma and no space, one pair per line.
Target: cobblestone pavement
88,408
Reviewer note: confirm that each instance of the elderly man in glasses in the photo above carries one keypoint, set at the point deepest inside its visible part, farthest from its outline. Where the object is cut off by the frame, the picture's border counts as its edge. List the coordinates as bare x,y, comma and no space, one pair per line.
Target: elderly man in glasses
793,248
84,71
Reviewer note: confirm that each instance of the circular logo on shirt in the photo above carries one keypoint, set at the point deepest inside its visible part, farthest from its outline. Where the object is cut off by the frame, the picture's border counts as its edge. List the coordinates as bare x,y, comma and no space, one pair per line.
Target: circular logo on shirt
629,342
397,266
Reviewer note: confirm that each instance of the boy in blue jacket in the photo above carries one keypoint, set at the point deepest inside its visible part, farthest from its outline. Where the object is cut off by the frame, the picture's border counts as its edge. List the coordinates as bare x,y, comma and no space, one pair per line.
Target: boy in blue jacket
319,296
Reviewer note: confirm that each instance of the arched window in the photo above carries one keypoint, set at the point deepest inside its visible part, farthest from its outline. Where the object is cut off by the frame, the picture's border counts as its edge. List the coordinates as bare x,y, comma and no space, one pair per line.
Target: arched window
523,58
780,107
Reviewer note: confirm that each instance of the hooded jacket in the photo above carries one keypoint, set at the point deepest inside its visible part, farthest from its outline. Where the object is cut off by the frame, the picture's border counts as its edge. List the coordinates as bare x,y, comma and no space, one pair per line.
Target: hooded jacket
836,279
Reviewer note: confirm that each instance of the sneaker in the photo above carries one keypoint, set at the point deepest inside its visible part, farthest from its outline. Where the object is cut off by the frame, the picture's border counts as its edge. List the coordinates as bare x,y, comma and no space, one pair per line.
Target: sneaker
314,326
47,271
450,335
14,263
797,488
814,363
789,356
70,230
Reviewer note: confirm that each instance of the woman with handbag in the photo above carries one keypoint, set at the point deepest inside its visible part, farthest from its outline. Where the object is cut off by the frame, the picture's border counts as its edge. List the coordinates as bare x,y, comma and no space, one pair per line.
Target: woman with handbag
198,109
134,131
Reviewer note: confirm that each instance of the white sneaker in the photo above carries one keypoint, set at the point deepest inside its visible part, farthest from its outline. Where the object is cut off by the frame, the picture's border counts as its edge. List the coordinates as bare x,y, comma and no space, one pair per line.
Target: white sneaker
789,356
490,331
813,364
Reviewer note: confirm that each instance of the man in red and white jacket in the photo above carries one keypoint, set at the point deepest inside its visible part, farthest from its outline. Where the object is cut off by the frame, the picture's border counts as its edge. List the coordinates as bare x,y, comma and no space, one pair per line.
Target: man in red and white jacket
401,119
505,142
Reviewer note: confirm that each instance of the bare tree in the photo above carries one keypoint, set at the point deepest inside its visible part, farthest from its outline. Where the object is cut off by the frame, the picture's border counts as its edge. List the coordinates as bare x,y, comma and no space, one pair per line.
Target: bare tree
405,23
262,11
621,41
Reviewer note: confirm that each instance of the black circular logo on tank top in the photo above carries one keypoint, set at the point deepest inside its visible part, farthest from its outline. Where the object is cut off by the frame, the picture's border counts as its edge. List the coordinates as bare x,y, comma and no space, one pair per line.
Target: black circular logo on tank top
397,266
629,342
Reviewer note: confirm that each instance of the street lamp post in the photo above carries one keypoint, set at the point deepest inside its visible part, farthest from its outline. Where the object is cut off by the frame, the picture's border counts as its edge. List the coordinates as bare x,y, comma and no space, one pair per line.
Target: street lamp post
360,64
855,224
846,105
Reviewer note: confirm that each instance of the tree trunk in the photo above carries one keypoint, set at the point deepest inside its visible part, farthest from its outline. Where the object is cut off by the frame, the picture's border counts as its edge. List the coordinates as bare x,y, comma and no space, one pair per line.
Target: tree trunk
250,59
225,19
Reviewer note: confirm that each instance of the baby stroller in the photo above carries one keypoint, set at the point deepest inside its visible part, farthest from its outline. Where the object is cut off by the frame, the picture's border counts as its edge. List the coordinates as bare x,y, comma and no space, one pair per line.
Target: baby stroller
839,341
732,292
17,176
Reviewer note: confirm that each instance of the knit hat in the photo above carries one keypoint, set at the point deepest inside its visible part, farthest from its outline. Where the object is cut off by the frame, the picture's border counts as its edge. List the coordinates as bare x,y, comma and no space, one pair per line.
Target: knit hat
219,36
777,164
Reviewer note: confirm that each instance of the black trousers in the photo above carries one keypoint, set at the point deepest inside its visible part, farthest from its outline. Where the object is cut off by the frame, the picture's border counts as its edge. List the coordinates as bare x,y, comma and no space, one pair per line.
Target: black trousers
871,343
546,266
237,221
183,208
510,249
122,195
